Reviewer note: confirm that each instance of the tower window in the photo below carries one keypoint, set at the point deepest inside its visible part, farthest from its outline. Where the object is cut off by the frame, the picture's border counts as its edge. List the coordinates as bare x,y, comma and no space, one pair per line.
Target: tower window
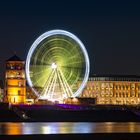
19,84
19,92
12,67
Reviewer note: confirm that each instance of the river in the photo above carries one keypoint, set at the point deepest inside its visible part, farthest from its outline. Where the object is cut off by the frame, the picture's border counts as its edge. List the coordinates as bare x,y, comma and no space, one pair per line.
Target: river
31,128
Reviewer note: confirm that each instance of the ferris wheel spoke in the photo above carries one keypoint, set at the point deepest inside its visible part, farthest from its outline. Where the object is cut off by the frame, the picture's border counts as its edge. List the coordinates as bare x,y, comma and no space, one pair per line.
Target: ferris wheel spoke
41,65
68,88
74,56
71,67
38,79
38,70
47,84
73,63
51,87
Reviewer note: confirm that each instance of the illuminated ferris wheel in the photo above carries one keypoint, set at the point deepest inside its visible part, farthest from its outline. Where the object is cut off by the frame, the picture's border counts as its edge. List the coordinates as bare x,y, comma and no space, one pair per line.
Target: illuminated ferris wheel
57,65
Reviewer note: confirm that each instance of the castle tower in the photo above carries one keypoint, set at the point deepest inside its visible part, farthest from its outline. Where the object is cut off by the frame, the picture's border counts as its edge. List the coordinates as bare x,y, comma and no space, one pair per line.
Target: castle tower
15,81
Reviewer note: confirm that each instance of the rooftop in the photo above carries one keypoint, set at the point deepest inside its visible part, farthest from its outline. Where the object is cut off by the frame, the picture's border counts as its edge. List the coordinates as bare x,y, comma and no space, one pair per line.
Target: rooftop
14,58
111,77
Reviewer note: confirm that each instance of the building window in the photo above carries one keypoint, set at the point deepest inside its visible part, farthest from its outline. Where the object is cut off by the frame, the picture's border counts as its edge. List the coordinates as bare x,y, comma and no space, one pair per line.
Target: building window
19,92
14,100
20,84
18,74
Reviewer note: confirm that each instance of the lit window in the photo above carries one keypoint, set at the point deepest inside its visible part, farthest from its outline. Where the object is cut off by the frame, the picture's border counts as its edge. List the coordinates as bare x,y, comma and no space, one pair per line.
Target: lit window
20,84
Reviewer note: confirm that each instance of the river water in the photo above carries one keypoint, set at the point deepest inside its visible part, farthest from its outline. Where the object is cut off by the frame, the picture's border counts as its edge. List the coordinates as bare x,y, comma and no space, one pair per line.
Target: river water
31,128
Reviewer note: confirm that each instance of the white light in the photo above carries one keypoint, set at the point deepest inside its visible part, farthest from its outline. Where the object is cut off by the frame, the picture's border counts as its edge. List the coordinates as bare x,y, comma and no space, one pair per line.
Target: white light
54,66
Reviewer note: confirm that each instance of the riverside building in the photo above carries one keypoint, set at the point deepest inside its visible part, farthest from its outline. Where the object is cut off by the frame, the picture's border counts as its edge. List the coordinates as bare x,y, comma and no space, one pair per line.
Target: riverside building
15,81
100,89
113,89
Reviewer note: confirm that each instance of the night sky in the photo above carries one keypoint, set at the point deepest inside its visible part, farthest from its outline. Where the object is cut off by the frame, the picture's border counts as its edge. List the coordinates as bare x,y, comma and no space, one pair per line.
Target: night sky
109,30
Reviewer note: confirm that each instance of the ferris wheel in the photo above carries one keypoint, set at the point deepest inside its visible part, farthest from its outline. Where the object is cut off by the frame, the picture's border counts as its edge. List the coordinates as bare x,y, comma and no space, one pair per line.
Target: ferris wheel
57,65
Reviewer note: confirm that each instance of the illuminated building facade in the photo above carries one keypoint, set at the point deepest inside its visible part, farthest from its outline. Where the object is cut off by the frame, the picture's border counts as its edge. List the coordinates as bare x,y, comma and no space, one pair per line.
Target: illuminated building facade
108,89
113,89
15,81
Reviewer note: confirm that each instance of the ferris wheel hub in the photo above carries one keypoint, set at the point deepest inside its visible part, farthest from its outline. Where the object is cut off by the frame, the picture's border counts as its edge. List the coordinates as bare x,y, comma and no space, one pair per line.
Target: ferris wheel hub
53,66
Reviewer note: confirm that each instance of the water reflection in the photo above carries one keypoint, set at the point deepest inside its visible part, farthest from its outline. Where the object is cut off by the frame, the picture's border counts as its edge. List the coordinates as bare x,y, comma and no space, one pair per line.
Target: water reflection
68,128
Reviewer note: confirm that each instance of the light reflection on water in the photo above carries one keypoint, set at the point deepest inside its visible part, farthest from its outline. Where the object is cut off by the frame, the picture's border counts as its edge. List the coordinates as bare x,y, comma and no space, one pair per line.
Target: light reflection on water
68,127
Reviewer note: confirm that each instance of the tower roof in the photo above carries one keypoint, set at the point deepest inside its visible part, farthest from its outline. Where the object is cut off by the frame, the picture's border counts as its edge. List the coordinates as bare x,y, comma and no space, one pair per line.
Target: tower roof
14,58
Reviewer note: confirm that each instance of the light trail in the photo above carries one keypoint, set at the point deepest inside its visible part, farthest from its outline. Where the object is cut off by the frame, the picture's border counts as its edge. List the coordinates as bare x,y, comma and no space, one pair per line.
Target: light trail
55,62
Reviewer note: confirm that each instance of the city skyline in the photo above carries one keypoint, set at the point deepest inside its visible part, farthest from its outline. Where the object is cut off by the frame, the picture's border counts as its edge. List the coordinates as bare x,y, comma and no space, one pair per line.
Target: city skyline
109,31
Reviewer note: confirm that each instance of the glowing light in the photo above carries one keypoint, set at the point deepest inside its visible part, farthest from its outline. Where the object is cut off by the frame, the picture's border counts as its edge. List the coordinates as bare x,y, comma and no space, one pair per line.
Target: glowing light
70,64
56,83
54,66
